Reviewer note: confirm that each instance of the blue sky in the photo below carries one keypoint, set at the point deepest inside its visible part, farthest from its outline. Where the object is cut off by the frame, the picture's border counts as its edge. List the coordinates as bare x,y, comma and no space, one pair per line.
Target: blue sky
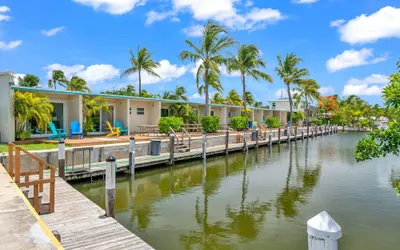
349,46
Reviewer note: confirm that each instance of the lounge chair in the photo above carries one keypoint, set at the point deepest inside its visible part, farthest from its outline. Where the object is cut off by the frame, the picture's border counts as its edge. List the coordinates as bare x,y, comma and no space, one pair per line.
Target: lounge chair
113,130
122,129
57,133
75,129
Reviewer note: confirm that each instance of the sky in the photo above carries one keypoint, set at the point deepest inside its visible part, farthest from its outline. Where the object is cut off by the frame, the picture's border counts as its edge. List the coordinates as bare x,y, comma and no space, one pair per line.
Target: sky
348,46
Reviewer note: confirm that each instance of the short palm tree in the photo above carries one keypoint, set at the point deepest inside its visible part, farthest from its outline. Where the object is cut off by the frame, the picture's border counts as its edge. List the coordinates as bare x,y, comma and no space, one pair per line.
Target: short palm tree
217,98
141,62
57,77
77,84
214,41
28,80
248,62
179,94
258,104
233,98
28,106
92,106
309,90
289,72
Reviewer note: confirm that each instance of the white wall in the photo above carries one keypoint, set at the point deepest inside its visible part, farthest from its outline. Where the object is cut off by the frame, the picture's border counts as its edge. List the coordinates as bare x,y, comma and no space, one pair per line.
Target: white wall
152,113
7,122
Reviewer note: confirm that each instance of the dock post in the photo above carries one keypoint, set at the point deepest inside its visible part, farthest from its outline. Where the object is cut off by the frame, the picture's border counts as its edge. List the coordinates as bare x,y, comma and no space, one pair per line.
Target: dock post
61,159
323,232
295,133
257,138
302,135
245,147
171,149
288,134
312,133
132,155
204,145
110,185
308,131
270,141
279,135
227,141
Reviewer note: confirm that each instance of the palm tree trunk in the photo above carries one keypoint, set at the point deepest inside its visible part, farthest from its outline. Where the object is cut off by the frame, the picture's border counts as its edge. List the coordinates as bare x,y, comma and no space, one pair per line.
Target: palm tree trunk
290,104
55,83
307,111
140,82
244,96
207,101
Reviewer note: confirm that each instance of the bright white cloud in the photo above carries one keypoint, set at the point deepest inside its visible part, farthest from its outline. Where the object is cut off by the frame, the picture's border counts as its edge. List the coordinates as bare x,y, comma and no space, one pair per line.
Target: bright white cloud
353,58
52,32
115,7
385,23
326,90
92,74
371,85
382,58
175,19
17,76
282,93
3,17
166,71
249,3
304,1
4,9
154,16
337,23
10,45
222,11
193,31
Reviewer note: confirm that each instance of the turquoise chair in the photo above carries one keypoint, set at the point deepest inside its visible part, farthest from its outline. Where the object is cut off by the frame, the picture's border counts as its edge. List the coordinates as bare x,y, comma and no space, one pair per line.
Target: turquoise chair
122,129
75,129
57,133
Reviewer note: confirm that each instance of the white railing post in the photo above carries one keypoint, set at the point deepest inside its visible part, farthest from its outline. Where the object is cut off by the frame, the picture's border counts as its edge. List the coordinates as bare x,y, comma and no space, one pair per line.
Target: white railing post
323,232
132,155
110,185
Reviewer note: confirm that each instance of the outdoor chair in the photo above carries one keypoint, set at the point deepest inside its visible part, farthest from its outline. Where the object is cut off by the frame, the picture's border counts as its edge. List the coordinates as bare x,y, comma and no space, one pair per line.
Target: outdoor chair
75,129
122,129
57,133
113,130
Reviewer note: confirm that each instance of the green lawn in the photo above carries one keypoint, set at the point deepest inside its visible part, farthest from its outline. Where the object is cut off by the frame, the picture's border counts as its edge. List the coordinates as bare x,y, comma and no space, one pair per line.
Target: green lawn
33,146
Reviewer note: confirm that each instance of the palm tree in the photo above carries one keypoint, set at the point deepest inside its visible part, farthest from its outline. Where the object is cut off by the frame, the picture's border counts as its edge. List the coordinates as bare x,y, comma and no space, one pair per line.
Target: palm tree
258,104
309,90
142,62
233,98
179,94
92,106
289,72
28,80
77,84
32,106
57,77
249,98
248,62
217,98
214,41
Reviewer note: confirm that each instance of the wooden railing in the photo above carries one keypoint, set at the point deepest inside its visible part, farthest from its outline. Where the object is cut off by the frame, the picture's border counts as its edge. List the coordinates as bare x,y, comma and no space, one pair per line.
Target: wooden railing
188,135
14,170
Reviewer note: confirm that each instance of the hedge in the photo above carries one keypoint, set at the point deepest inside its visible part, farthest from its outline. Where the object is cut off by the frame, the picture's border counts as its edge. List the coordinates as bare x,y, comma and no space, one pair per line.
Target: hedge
239,122
165,123
210,123
272,122
317,122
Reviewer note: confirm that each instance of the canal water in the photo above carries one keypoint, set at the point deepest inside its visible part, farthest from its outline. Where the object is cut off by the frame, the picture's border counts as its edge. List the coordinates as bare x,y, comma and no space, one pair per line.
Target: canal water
262,199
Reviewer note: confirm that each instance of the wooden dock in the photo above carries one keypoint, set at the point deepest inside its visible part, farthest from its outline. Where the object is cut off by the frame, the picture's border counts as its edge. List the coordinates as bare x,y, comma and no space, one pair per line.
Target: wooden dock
82,225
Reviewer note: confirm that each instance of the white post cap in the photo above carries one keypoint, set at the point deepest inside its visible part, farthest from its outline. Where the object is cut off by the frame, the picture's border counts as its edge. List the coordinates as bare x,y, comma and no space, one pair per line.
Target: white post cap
324,226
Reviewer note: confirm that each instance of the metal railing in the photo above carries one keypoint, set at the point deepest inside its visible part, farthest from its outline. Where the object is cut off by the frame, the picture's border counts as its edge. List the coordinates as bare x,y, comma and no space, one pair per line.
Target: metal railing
190,138
14,170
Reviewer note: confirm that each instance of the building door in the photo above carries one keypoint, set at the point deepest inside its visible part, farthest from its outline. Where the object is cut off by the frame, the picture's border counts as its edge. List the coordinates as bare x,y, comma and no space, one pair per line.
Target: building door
107,117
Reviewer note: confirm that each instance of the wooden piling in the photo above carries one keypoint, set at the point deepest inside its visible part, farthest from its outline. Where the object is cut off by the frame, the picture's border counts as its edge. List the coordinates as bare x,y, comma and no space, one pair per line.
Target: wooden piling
172,149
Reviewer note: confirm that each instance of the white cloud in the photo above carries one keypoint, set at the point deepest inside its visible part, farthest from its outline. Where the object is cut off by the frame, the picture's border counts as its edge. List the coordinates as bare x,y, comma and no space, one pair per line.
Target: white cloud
166,71
153,16
175,19
222,11
304,1
3,17
337,23
17,76
193,31
223,70
249,3
353,58
326,90
4,9
385,23
383,58
10,45
115,7
52,32
371,85
92,74
282,93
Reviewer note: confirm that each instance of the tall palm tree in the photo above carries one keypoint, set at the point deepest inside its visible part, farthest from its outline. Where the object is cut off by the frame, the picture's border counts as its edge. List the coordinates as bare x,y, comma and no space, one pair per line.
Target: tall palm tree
309,90
213,42
179,94
142,62
28,80
77,84
233,98
57,77
217,98
248,62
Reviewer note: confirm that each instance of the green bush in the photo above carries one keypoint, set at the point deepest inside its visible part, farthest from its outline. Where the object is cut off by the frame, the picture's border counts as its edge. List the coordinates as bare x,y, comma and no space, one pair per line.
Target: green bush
317,122
239,122
210,123
272,122
165,123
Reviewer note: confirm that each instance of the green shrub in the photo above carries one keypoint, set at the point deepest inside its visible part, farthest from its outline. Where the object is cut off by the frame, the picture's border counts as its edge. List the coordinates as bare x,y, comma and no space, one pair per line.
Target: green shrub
23,135
272,122
239,122
317,122
210,123
165,123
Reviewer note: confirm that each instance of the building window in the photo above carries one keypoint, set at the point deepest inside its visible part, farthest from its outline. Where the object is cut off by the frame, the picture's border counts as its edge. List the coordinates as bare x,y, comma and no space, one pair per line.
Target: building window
164,112
212,112
294,105
140,111
273,105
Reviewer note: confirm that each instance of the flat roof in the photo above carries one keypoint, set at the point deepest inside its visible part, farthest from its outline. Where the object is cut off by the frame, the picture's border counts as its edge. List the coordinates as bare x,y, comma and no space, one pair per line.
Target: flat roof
66,92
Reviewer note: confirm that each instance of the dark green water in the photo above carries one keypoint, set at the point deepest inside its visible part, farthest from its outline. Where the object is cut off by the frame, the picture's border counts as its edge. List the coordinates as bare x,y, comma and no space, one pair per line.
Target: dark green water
262,200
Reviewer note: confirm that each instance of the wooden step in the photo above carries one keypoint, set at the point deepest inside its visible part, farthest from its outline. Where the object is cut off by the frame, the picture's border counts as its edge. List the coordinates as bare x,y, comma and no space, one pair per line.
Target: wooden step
184,150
